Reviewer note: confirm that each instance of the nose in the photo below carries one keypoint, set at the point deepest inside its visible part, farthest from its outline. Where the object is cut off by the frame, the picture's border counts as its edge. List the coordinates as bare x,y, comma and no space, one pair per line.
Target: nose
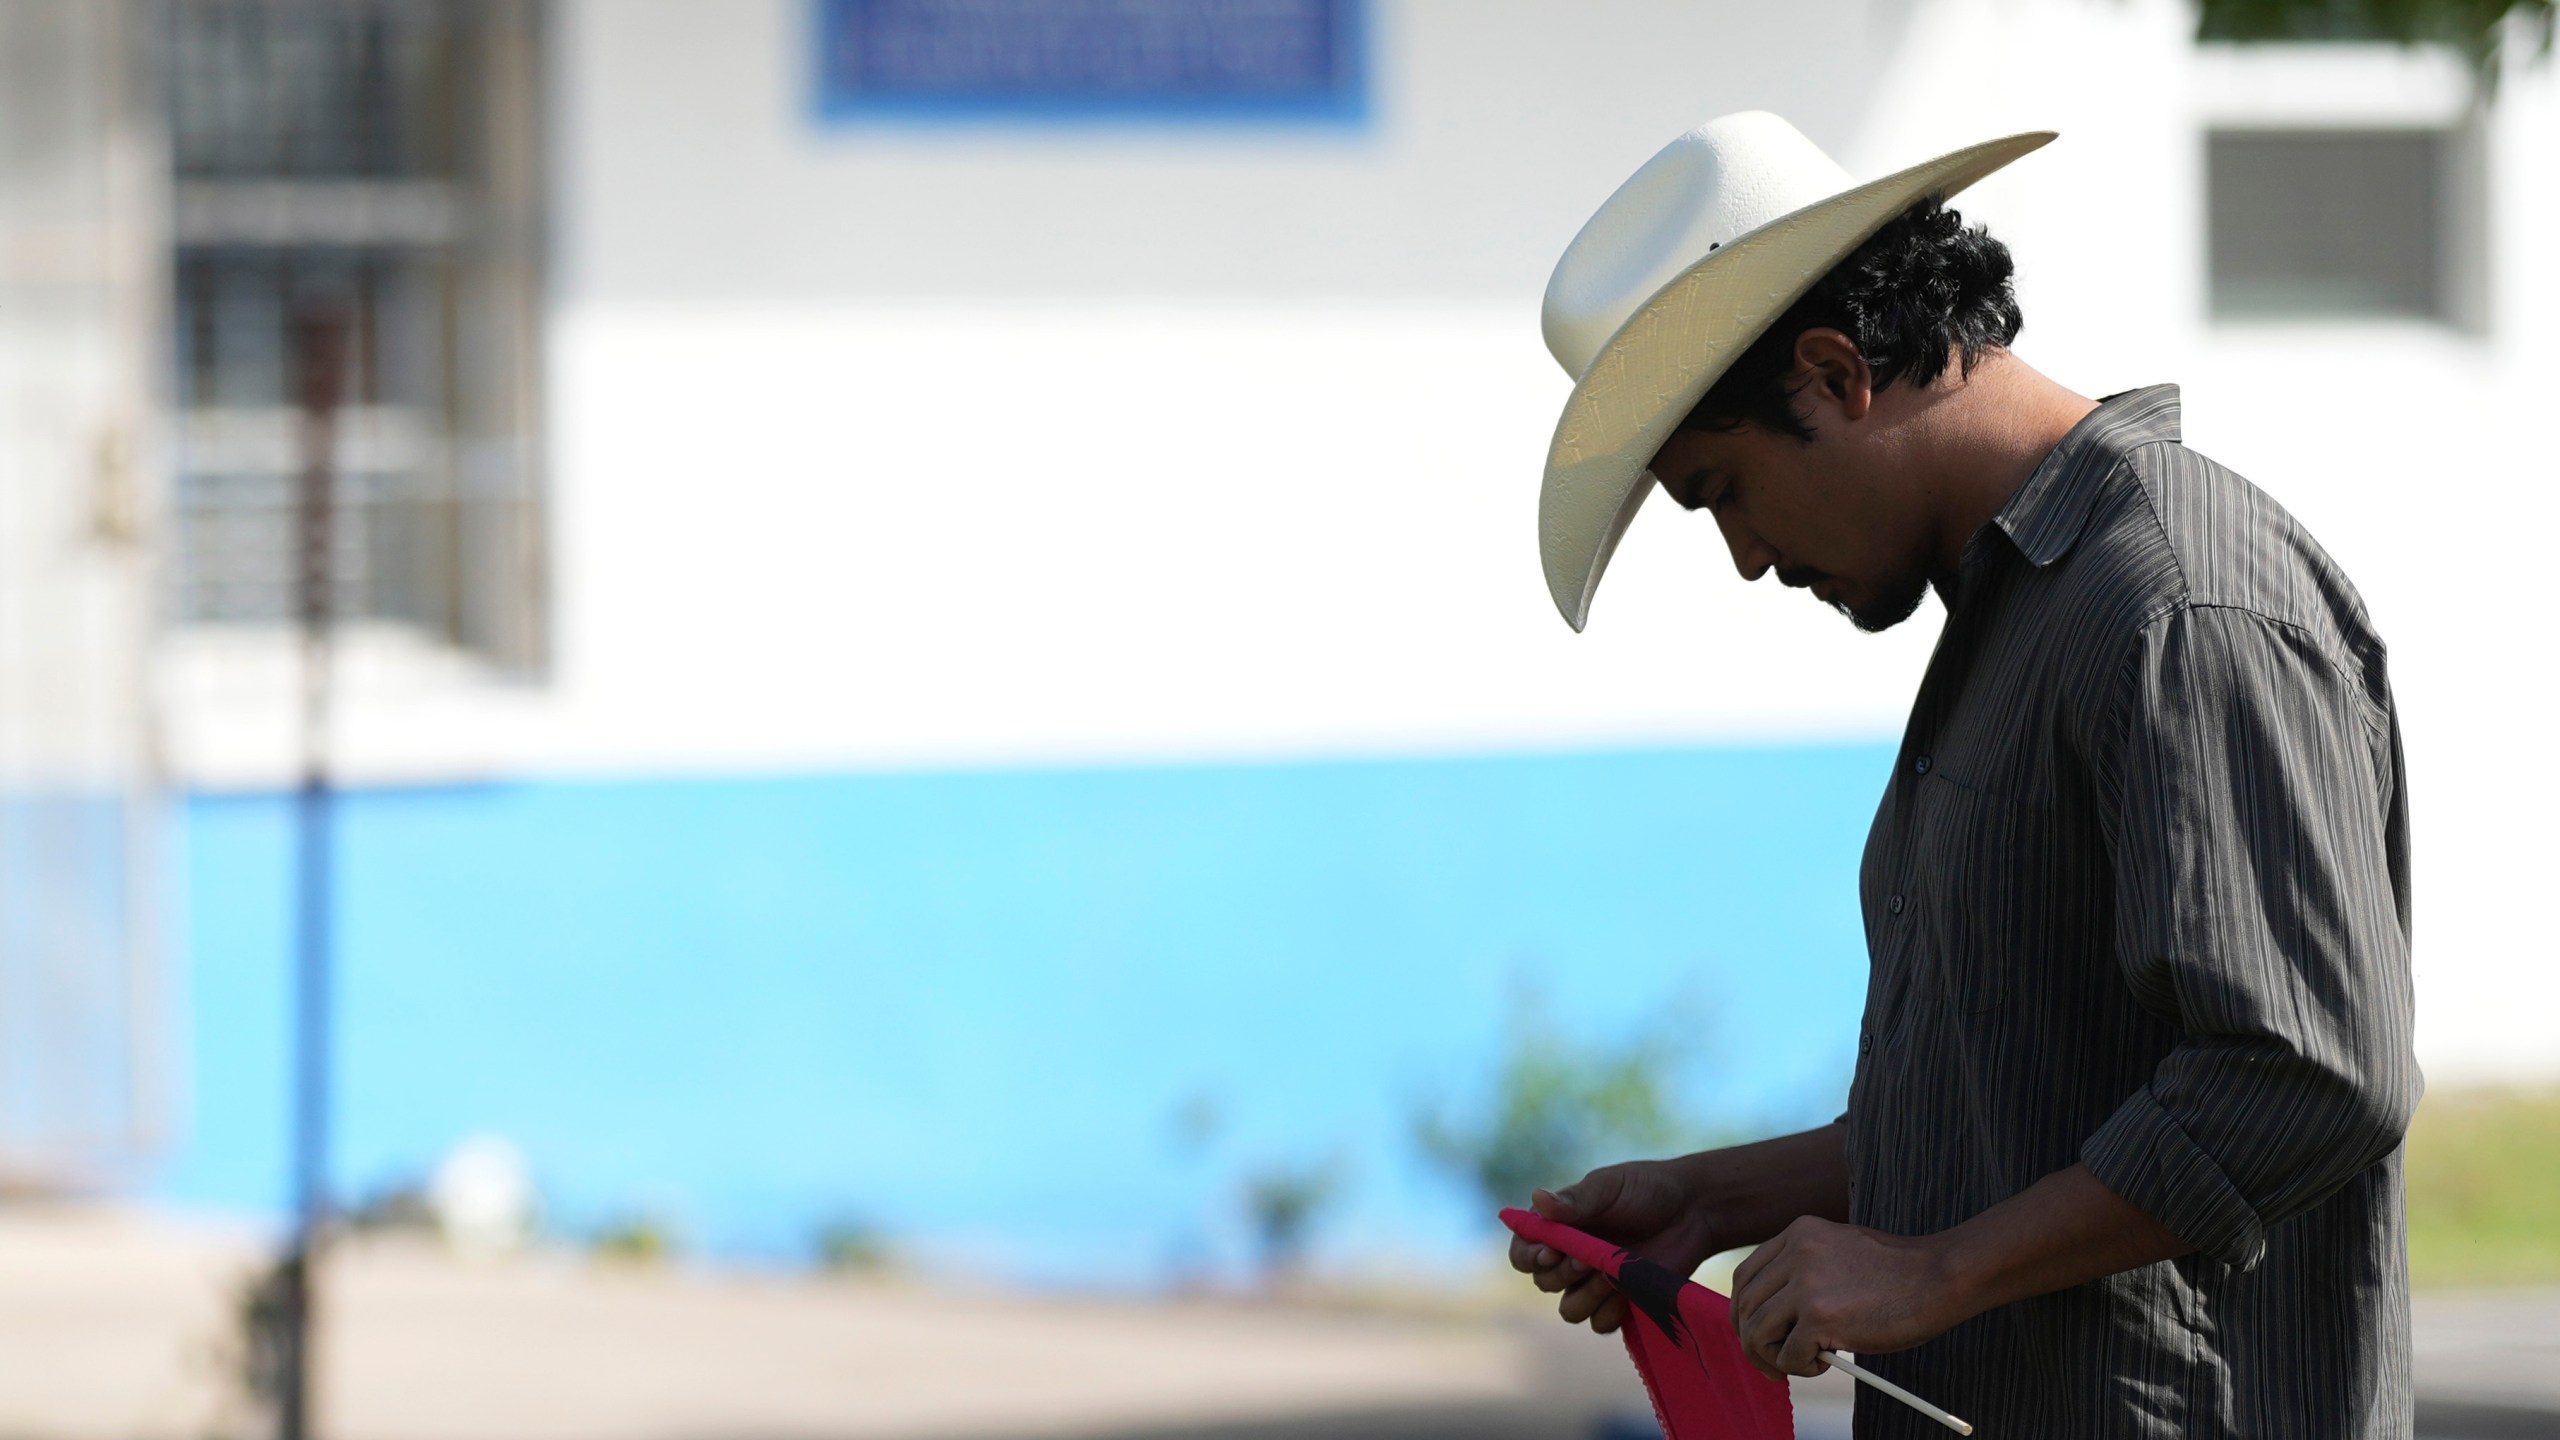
1752,556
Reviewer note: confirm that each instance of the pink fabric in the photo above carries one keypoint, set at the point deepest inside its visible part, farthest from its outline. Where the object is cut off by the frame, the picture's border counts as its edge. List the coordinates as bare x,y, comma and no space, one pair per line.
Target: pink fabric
1680,1334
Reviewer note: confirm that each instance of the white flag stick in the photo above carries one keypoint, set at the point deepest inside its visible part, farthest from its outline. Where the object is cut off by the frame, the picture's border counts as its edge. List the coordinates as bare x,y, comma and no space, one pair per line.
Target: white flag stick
1898,1393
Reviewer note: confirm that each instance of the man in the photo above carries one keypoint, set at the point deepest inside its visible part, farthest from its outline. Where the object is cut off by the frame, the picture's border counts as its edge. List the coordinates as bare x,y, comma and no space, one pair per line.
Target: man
2121,1156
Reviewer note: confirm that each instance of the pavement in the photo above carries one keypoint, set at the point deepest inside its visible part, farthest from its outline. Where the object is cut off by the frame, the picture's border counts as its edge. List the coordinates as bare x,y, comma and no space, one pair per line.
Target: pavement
2488,1365
125,1327
120,1326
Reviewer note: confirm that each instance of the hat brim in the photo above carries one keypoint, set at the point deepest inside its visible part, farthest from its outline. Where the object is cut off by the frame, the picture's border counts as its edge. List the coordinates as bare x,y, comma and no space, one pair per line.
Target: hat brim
1676,345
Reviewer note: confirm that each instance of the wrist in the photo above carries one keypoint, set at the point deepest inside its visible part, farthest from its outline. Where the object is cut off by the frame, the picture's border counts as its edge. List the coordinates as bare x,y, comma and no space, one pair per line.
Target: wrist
1710,1201
1983,1264
1958,1276
1731,1202
1743,1195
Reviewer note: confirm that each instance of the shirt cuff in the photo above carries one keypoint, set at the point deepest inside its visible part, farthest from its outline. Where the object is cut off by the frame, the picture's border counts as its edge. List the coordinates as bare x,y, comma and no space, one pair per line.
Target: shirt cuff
2143,1154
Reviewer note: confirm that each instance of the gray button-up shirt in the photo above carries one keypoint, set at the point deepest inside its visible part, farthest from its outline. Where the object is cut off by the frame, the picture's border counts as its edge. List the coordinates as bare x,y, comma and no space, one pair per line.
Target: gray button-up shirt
2137,896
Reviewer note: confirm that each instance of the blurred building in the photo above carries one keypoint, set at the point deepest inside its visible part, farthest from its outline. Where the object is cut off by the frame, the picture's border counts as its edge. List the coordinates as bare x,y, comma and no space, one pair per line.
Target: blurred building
937,585
84,1052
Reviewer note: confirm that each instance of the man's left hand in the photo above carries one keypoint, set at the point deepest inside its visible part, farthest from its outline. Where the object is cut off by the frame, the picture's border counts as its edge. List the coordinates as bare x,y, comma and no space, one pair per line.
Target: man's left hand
1826,1286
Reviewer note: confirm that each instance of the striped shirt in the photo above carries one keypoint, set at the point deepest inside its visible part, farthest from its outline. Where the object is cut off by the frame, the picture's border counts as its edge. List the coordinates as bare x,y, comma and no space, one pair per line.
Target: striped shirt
2137,896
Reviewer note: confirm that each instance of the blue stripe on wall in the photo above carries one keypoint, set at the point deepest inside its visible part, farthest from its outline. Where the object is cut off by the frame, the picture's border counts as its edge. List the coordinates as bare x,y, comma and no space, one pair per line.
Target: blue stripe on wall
967,1005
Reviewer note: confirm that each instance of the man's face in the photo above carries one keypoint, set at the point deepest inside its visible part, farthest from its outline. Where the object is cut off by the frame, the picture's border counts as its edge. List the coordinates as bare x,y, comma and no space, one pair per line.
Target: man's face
1824,514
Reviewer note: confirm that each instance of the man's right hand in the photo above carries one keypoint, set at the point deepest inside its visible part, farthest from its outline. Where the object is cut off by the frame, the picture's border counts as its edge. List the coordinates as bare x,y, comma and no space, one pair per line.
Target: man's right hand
1648,1206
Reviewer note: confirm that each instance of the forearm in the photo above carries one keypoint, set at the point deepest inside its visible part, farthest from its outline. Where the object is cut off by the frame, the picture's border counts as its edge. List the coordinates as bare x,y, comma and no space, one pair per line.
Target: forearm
1749,1193
2066,1229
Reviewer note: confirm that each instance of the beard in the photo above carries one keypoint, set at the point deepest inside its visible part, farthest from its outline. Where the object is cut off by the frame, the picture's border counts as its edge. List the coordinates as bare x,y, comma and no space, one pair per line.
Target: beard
1895,601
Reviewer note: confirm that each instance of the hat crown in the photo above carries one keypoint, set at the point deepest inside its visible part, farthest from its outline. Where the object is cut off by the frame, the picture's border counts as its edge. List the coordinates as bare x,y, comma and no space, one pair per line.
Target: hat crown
1704,190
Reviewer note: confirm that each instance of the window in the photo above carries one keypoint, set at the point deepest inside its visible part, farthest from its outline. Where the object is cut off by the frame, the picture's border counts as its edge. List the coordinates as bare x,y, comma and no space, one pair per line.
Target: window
377,157
2343,180
2328,222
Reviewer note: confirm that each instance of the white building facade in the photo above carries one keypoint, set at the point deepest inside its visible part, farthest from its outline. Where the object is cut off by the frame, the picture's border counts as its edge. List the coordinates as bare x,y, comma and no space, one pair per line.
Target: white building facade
1016,451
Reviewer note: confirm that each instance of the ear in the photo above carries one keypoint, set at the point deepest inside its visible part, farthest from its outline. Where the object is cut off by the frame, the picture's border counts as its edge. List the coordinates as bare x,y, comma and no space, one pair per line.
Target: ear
1832,376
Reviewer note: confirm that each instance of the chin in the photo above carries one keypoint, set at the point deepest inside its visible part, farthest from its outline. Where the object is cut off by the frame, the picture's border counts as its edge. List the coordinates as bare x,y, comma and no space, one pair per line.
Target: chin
1892,604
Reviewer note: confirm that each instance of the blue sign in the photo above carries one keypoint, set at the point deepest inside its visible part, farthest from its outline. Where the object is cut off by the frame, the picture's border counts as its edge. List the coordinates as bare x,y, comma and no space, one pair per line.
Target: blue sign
1105,59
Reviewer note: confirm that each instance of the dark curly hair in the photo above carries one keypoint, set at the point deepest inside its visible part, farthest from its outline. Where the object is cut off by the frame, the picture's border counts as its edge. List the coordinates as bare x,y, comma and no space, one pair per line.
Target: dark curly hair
1925,286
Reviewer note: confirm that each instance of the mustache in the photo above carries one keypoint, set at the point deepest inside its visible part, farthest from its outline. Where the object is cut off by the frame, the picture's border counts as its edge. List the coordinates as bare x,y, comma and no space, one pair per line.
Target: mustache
1801,577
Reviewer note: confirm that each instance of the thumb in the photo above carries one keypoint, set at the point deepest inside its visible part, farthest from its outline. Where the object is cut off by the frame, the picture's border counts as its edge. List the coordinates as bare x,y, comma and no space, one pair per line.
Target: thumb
1584,1200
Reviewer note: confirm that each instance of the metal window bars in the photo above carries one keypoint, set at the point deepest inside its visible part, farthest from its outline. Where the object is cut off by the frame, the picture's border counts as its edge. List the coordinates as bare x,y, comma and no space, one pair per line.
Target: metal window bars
380,157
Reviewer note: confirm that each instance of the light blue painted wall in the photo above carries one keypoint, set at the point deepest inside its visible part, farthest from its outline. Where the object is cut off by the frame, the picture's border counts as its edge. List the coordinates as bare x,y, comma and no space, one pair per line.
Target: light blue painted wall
968,1005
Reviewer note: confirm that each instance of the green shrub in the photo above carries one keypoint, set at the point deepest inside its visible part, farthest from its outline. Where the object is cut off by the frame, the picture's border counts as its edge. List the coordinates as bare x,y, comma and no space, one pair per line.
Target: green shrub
1560,1108
1283,1201
638,1240
853,1246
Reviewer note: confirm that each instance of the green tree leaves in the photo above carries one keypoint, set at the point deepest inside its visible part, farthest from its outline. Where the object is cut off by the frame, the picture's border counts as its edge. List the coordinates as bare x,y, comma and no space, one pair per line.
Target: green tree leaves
2477,28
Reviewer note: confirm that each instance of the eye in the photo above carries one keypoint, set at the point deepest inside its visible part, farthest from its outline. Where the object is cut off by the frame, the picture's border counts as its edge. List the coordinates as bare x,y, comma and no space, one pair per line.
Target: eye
1705,491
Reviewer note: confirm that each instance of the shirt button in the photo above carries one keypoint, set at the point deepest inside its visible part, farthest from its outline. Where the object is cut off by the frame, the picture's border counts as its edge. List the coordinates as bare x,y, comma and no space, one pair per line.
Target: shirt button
1894,905
1866,1043
1921,765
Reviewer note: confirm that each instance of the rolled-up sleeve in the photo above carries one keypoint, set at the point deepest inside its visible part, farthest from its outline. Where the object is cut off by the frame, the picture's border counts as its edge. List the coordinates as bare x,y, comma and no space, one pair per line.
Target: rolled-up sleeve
2247,790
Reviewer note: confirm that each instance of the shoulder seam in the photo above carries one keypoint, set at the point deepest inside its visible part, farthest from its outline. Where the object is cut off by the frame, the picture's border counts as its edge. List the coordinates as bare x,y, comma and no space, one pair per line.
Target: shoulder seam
2367,710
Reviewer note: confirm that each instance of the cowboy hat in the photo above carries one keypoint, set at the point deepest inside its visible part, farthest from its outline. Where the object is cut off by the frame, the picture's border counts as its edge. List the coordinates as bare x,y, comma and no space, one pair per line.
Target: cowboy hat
1673,278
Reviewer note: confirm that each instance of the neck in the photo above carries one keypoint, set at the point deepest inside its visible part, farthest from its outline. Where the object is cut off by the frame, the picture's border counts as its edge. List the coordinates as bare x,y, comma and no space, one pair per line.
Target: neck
1981,436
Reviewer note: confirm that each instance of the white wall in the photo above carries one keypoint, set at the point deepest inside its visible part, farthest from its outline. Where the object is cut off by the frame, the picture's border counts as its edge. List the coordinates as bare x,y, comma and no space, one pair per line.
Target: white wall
897,446
698,174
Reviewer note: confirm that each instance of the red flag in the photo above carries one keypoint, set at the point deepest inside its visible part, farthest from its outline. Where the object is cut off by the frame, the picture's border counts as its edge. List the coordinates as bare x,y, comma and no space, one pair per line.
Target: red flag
1680,1334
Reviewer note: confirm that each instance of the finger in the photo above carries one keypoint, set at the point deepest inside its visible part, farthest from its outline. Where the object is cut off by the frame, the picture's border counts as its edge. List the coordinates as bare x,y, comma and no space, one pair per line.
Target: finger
1529,1257
1611,1314
1558,1278
1761,1274
1759,1258
1766,1331
1800,1353
1763,1366
1583,1203
1584,1300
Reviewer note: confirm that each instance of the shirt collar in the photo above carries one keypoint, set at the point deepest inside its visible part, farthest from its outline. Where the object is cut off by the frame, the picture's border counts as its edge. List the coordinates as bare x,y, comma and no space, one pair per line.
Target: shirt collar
2045,518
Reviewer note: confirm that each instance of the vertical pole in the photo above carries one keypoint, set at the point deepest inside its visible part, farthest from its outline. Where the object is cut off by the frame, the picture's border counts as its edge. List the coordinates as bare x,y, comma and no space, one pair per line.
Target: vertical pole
319,350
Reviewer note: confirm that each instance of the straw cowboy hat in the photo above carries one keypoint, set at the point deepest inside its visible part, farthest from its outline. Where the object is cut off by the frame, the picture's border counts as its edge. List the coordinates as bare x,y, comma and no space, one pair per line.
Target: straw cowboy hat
1676,275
